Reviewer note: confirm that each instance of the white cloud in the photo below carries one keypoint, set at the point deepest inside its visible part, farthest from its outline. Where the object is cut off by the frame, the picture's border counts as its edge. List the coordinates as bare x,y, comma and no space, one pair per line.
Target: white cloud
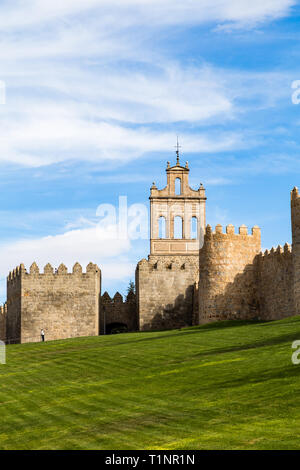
144,12
81,245
46,134
98,100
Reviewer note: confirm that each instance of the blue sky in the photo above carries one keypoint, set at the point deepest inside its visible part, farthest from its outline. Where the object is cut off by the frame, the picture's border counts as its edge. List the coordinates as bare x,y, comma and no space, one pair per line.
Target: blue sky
98,90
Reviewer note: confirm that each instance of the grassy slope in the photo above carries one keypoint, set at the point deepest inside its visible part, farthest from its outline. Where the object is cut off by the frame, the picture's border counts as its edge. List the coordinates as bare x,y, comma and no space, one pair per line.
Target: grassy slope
226,386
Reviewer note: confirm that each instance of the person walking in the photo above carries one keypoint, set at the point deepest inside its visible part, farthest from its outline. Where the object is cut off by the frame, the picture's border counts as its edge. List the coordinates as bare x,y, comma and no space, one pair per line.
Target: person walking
42,335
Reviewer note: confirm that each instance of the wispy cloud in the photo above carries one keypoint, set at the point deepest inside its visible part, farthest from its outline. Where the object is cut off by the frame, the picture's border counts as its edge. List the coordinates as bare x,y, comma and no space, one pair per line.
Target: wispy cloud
43,136
145,12
100,82
85,244
80,54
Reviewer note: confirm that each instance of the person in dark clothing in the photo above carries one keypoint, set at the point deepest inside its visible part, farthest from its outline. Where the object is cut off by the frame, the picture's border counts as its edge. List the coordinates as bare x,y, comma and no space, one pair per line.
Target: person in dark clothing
43,335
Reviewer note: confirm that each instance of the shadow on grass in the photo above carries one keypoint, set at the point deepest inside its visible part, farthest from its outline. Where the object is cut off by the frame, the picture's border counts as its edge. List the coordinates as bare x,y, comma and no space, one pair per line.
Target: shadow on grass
221,325
287,338
264,376
202,329
135,338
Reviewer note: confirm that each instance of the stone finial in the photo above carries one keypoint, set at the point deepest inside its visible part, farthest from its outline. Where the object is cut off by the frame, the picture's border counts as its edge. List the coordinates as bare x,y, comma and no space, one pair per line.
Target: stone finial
187,165
287,248
201,190
77,268
48,269
279,250
34,269
272,251
230,229
153,185
208,230
168,165
243,230
219,228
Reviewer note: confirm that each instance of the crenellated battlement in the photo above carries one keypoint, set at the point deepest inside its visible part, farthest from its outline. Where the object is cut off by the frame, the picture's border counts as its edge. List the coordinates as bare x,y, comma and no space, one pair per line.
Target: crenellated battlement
285,250
218,273
116,312
165,291
65,304
48,270
168,263
230,231
274,283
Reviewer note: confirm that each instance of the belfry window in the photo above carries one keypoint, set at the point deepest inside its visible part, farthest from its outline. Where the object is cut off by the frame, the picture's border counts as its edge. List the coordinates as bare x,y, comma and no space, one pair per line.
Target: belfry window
177,186
194,228
161,227
178,227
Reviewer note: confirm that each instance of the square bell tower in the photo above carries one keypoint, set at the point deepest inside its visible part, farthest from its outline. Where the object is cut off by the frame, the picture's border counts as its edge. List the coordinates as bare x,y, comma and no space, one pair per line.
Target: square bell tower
177,214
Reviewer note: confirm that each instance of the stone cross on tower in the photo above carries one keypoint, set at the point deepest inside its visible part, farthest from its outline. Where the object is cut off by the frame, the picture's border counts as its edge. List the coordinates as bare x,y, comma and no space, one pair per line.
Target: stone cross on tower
177,214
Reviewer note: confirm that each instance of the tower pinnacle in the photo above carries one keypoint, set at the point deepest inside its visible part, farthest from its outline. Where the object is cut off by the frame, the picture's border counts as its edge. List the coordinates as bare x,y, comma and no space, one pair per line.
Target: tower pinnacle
177,151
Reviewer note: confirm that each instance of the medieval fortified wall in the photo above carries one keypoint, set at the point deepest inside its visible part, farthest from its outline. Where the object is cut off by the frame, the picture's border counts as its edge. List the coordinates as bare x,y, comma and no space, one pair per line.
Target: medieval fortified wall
193,275
3,313
237,281
165,287
227,279
64,304
295,213
116,313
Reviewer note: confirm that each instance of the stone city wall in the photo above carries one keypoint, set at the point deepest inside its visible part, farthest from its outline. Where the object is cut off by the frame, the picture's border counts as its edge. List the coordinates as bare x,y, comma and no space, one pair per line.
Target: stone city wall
3,310
295,215
114,311
64,304
275,286
227,279
165,291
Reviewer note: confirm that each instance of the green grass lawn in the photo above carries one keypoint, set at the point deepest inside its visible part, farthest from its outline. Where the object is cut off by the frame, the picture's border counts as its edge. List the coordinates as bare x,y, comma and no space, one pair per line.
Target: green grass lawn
228,385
